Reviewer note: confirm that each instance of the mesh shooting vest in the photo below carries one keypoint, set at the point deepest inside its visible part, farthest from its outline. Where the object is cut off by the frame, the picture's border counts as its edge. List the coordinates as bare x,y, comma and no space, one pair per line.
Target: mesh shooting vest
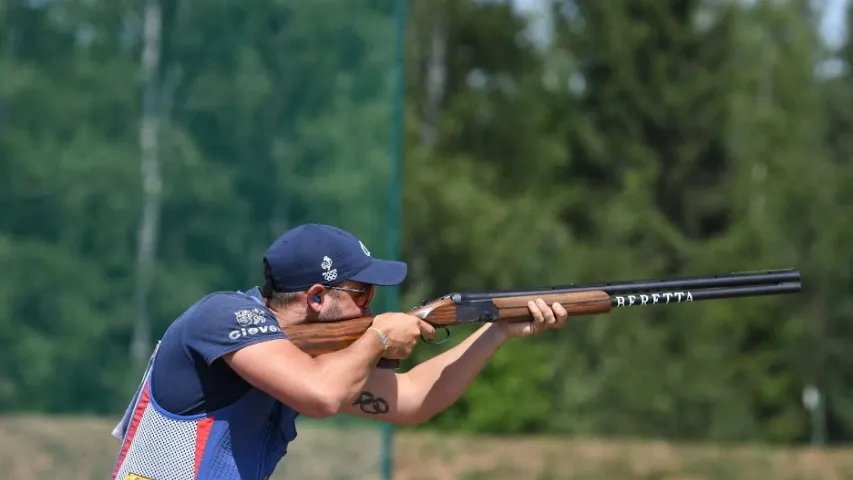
243,441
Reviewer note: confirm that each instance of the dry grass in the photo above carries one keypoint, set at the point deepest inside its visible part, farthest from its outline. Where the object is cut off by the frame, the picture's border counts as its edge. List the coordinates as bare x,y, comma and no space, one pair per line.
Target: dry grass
558,458
35,448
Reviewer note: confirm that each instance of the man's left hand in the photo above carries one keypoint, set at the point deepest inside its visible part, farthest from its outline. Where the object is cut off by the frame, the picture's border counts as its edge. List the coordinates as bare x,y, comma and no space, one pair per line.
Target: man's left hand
544,318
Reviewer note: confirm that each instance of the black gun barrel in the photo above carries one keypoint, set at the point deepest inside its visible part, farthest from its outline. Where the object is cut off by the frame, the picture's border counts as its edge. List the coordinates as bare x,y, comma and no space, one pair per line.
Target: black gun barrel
682,296
767,278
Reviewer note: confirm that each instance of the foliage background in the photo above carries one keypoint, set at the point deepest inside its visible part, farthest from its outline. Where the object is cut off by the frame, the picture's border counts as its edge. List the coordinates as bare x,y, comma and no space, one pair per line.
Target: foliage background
646,139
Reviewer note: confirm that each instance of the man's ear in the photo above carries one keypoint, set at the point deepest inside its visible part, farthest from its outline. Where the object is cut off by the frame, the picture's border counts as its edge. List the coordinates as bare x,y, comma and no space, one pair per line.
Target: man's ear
314,297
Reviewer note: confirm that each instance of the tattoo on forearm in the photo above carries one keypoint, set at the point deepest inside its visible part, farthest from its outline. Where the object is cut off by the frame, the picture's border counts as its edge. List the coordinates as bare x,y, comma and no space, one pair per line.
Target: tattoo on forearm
371,405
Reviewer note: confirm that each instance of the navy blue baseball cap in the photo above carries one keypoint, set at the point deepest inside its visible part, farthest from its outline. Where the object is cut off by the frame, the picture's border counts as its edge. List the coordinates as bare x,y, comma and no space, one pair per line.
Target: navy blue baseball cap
321,254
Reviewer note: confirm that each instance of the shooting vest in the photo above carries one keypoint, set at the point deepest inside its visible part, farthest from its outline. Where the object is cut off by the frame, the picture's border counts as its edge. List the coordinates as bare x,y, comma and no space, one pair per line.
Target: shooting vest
242,441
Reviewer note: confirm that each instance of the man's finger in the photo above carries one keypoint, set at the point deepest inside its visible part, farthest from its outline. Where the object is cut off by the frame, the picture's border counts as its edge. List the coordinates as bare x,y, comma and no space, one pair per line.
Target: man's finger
427,330
560,313
535,312
546,311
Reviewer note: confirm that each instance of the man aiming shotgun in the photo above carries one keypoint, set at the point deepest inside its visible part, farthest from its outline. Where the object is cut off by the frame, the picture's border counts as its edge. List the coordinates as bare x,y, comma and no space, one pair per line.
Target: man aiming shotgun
226,382
229,377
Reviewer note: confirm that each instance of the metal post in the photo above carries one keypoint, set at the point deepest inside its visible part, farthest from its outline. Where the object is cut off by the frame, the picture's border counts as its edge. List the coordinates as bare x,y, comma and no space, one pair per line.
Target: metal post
814,402
395,199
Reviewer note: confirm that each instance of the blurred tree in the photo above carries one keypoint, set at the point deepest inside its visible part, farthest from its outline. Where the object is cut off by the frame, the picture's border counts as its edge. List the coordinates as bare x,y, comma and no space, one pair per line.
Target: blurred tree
828,238
650,150
784,183
271,113
68,206
480,209
661,147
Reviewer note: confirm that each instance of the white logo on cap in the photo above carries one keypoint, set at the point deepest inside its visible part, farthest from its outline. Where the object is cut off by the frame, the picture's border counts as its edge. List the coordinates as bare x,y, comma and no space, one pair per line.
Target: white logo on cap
364,249
329,273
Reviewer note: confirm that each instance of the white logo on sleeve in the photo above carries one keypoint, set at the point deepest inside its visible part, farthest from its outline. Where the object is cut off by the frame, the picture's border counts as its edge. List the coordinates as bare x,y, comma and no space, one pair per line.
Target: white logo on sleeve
254,316
250,331
329,273
251,322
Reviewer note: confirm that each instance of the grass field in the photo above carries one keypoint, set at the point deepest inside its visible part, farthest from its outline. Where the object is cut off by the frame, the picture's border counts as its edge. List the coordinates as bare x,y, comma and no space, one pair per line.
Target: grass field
35,448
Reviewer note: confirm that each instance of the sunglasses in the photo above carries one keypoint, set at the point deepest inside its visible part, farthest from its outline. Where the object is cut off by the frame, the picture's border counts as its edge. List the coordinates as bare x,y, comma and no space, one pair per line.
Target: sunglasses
363,296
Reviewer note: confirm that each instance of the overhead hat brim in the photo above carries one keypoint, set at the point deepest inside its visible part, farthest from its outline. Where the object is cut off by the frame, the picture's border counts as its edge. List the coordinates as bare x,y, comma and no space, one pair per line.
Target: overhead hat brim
382,272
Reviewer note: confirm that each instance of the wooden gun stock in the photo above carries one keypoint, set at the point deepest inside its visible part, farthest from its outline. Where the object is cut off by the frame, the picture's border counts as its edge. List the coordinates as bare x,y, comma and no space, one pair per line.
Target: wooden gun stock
511,306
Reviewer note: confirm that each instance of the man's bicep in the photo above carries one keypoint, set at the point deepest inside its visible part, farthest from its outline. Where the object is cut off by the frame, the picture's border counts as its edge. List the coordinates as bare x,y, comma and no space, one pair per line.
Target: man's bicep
280,369
386,396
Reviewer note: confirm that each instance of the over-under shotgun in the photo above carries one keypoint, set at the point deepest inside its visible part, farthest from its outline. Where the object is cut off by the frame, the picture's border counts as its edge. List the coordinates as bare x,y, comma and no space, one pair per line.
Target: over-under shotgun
581,299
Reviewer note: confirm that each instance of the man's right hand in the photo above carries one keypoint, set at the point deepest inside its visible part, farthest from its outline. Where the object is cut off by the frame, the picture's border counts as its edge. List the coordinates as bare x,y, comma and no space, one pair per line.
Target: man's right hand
403,332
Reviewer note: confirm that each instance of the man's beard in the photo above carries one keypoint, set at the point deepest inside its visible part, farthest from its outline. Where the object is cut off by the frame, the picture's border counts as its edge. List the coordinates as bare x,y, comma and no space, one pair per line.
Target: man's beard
333,313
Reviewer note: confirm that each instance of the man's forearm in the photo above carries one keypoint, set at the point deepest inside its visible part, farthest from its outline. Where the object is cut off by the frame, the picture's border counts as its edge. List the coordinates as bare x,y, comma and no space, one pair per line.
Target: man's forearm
435,384
344,373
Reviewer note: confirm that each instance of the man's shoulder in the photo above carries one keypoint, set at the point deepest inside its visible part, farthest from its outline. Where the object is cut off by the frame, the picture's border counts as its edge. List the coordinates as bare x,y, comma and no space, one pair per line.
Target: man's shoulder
230,305
223,322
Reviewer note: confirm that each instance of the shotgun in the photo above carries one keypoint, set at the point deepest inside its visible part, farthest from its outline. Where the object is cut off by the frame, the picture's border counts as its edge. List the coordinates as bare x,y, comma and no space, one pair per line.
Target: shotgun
578,299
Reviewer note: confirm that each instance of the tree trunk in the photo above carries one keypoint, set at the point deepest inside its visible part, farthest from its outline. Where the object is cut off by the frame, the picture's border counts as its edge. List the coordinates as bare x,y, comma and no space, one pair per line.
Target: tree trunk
149,130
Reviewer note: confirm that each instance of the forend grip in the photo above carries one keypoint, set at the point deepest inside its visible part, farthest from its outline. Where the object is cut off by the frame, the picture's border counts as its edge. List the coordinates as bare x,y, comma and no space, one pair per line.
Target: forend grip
460,308
515,309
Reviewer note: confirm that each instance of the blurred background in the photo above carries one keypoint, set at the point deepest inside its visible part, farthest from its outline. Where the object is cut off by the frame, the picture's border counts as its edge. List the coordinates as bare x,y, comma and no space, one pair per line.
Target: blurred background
150,150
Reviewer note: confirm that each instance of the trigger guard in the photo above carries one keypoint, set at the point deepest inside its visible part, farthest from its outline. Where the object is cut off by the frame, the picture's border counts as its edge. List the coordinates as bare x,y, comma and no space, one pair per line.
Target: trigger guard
446,337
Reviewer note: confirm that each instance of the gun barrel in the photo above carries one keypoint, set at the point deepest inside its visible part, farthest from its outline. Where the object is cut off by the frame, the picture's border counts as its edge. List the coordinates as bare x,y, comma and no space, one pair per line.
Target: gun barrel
640,299
729,280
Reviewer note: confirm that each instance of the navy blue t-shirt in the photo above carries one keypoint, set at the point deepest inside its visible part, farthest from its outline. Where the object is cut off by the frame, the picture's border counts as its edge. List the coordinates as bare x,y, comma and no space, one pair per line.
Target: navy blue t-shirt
189,375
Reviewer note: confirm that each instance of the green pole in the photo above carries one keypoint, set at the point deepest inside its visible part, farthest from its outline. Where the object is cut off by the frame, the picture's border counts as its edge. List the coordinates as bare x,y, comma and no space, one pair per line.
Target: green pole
395,198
